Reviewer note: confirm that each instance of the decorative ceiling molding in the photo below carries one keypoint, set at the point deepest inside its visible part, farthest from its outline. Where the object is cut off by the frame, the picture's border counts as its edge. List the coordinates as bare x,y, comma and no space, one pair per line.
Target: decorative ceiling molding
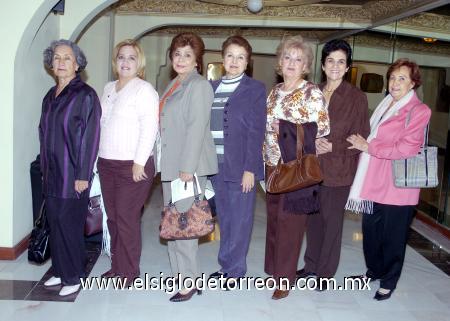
364,39
266,3
319,12
381,9
369,13
269,33
428,21
410,44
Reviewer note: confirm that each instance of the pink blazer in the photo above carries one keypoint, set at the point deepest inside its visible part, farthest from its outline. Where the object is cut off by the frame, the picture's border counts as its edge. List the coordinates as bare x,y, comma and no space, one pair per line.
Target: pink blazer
394,141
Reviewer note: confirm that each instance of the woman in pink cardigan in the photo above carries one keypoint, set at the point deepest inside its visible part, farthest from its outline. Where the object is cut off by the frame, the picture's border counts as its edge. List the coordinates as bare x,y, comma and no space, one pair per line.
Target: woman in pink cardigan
125,164
389,210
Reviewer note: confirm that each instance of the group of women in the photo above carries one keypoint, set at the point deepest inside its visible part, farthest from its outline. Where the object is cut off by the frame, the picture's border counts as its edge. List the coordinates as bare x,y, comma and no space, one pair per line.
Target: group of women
229,132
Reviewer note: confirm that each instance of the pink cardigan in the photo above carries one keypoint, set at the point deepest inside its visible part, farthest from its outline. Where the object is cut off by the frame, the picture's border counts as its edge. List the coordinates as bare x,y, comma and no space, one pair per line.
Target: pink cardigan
394,141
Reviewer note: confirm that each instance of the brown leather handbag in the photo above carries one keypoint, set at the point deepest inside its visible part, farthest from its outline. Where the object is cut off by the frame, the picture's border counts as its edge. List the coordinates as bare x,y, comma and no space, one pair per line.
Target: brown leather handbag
193,224
302,172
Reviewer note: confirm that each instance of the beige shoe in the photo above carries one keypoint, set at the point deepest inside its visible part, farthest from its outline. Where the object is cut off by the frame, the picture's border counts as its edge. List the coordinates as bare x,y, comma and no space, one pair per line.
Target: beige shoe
53,281
69,289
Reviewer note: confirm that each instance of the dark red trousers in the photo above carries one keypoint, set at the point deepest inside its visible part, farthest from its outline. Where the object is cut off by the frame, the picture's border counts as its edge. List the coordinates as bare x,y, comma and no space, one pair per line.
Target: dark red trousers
124,200
324,232
283,239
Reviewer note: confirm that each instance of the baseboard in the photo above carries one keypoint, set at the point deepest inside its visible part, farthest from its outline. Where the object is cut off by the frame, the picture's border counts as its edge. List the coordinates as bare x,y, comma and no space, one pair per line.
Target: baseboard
12,253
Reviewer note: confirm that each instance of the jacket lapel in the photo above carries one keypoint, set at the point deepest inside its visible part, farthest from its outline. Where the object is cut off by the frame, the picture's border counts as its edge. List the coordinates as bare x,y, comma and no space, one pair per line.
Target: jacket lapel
183,84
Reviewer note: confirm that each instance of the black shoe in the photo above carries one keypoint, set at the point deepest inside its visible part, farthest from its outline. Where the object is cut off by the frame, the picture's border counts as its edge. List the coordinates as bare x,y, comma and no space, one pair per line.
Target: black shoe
231,284
360,277
218,274
303,274
184,297
322,284
382,296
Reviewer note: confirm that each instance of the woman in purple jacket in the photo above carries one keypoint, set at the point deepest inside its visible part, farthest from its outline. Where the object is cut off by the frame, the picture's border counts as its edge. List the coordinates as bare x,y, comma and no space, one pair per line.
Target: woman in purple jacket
238,119
69,135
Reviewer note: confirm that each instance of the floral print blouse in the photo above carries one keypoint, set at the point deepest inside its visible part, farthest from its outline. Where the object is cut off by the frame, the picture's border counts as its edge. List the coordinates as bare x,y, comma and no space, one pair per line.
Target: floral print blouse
302,105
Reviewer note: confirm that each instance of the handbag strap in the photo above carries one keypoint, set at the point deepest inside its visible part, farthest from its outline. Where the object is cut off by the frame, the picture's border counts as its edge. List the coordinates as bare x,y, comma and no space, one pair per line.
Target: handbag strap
41,218
426,129
300,140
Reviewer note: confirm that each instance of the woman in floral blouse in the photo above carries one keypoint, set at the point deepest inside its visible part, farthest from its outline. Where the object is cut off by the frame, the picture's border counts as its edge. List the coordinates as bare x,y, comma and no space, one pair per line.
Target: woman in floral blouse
297,101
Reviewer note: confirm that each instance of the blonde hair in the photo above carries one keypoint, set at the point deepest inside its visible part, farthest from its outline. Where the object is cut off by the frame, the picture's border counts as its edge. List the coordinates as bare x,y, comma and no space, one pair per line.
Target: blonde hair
140,57
295,42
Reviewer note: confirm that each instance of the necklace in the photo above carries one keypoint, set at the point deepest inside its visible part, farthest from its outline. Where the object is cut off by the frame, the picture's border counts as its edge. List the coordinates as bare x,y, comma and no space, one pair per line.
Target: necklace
328,90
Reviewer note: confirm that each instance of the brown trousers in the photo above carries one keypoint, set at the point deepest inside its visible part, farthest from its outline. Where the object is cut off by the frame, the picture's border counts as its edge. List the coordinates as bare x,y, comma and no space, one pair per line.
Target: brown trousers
324,232
283,239
124,200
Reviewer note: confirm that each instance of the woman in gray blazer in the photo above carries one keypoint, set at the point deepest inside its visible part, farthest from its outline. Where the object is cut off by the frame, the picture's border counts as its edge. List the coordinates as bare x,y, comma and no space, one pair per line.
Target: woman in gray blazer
186,143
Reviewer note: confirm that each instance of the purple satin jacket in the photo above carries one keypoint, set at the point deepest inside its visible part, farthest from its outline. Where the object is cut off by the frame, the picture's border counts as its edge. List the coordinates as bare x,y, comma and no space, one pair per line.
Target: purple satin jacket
69,133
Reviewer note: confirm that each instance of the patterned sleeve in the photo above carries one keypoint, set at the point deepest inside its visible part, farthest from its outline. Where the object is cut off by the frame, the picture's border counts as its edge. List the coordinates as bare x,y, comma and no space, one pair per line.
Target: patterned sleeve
318,111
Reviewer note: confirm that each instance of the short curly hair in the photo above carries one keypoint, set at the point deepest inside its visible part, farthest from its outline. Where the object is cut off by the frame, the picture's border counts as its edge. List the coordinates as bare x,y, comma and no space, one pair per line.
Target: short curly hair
80,58
295,42
414,72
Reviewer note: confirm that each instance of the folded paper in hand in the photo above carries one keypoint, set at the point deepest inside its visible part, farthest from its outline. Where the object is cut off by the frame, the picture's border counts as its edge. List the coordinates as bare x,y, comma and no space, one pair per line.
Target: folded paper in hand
182,190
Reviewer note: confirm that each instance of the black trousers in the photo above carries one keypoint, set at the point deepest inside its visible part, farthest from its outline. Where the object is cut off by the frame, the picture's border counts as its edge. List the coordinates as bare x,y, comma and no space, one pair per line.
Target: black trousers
385,233
66,218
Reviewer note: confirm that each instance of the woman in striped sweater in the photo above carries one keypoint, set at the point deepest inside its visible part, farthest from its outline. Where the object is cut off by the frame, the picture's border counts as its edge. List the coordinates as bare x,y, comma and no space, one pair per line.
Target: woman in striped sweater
238,119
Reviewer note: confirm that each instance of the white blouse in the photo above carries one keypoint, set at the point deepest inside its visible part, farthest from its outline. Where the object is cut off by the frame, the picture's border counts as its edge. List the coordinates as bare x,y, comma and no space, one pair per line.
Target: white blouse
129,121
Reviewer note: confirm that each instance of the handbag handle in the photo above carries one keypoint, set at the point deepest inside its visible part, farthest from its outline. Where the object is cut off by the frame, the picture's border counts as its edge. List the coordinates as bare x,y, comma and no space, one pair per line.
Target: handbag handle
196,193
300,141
426,129
41,216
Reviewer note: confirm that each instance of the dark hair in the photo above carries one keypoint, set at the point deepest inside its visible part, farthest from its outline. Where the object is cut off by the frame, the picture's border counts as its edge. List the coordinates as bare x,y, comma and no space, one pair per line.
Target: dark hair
335,45
414,72
239,41
189,39
49,52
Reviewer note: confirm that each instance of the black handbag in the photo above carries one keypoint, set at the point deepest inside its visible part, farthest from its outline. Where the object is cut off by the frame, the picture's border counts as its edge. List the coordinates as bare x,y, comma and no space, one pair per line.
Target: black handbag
94,217
39,245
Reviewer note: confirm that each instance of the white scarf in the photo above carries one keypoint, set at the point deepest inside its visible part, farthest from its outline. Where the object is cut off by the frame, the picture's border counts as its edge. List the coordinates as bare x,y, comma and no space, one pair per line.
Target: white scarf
355,203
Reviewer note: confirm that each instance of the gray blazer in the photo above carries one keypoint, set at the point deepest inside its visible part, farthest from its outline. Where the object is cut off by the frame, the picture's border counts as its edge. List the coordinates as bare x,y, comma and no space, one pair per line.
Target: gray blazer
186,141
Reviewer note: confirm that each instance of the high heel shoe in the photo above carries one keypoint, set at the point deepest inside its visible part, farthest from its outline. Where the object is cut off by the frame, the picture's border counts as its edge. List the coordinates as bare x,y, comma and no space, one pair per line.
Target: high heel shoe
185,297
280,294
380,296
108,274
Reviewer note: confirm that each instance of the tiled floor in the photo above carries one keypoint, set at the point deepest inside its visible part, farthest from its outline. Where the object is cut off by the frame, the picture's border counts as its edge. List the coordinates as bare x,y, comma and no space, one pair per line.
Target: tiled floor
423,292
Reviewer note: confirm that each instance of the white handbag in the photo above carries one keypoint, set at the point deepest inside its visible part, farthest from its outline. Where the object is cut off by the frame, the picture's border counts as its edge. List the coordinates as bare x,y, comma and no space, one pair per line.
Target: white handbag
419,171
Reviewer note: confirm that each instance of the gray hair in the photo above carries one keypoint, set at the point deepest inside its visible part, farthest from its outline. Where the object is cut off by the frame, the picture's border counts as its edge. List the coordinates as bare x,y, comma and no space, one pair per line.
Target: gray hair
78,53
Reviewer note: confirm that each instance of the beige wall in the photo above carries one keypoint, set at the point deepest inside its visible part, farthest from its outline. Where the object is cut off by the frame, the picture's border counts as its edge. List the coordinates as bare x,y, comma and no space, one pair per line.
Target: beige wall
24,82
35,81
22,25
97,47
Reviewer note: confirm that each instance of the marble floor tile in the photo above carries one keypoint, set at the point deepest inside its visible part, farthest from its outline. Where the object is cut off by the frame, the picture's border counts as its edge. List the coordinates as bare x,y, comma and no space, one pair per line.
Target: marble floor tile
15,289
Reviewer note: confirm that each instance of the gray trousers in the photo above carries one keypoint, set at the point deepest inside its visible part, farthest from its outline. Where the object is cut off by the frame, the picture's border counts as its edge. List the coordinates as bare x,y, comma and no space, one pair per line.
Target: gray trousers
183,253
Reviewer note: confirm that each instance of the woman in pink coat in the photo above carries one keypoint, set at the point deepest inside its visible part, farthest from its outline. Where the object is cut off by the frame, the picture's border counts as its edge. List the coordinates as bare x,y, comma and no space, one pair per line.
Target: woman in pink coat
388,210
